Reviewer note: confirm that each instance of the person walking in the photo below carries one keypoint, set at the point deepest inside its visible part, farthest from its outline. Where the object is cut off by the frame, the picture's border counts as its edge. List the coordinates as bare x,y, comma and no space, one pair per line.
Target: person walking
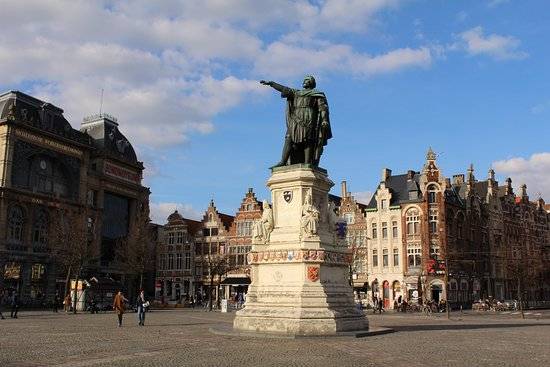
14,305
118,306
1,304
67,303
56,302
380,306
141,305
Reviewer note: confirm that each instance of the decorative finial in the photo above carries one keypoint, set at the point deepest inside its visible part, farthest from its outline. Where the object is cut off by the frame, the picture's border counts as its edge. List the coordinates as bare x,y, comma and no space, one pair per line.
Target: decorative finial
430,156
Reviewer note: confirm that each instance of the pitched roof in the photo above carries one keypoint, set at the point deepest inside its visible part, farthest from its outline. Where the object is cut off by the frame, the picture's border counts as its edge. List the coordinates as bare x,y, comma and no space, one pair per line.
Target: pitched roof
400,186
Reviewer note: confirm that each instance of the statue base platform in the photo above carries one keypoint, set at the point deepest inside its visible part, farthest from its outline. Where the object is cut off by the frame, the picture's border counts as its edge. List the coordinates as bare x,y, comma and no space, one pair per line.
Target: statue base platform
300,277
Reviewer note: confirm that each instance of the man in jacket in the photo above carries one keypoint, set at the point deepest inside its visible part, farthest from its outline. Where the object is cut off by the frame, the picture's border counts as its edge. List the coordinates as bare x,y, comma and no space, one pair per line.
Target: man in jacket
14,305
141,304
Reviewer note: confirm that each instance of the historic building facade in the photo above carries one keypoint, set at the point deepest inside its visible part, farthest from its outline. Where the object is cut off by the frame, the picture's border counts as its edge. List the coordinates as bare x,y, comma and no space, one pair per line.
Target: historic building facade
487,240
63,192
353,214
175,281
211,241
385,250
239,244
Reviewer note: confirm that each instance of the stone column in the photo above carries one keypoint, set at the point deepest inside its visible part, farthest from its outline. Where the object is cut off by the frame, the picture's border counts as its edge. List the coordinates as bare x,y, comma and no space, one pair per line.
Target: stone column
300,278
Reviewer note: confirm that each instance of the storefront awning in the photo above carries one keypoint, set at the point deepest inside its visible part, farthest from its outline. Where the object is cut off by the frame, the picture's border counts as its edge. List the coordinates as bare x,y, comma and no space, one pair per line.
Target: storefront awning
236,281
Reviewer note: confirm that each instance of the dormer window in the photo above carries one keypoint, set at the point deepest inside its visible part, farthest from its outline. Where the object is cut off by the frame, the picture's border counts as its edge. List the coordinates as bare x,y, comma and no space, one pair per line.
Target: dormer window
384,204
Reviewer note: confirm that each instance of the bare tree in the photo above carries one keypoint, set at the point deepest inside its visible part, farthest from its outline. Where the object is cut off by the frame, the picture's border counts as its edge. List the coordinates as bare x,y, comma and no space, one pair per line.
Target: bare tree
218,265
135,252
71,244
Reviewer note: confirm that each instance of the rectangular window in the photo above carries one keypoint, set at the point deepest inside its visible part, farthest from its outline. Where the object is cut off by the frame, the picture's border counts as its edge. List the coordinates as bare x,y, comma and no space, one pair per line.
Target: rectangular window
206,232
244,228
384,204
170,261
385,260
374,231
395,257
162,264
374,258
384,229
37,272
414,257
171,238
180,237
91,198
433,220
187,261
394,229
213,231
179,261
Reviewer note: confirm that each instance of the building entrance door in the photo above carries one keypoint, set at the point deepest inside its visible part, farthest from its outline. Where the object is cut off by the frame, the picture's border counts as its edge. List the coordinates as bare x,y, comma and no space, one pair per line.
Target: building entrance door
436,293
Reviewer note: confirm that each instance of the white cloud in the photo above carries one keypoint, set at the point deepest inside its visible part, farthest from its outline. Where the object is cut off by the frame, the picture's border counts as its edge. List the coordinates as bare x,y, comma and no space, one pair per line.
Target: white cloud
494,3
494,45
168,68
285,59
540,108
362,197
534,172
159,212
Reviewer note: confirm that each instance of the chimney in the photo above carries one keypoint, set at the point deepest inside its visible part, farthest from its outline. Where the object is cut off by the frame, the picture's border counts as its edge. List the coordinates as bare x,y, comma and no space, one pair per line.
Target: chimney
524,191
491,174
509,189
344,189
410,174
458,179
386,173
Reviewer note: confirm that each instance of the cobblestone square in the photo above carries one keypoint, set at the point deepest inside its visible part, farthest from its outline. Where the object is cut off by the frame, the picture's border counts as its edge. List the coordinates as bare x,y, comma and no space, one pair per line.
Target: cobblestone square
182,338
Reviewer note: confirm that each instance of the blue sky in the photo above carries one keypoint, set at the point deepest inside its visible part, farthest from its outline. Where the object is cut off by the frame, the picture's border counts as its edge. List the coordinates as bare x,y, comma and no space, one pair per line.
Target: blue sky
468,78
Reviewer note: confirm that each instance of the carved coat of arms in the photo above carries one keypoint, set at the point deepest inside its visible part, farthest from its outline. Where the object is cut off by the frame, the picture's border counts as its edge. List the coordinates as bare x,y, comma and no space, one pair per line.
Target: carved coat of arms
313,273
287,195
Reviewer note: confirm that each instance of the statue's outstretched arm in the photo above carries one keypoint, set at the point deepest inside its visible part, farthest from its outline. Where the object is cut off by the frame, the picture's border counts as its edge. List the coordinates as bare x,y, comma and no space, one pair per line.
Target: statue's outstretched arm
276,86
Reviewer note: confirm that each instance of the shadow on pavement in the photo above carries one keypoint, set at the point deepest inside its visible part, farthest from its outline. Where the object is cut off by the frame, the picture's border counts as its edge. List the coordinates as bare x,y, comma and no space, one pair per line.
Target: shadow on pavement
461,327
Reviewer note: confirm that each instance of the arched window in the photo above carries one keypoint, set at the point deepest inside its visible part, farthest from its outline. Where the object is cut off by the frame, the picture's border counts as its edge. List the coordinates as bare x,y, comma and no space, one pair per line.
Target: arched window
15,224
413,221
40,228
432,194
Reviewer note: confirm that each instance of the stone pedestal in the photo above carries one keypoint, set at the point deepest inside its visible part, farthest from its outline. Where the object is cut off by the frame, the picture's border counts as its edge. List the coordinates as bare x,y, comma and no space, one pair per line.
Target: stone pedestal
300,277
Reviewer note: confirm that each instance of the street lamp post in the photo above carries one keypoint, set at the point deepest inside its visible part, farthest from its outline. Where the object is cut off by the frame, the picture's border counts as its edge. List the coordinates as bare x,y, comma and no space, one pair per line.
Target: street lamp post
447,306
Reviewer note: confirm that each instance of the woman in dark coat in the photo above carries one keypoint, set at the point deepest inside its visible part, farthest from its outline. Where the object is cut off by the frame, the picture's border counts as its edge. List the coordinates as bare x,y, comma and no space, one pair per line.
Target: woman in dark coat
118,306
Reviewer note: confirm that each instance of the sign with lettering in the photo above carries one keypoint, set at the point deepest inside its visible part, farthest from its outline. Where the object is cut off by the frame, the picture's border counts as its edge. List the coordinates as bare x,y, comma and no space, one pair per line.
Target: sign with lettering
48,143
121,173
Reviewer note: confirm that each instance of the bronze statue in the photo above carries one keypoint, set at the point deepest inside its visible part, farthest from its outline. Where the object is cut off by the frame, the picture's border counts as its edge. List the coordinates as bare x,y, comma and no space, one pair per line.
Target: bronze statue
307,123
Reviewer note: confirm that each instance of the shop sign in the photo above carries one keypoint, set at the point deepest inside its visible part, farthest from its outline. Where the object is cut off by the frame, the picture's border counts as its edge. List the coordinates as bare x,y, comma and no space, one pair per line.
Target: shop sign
12,271
121,173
